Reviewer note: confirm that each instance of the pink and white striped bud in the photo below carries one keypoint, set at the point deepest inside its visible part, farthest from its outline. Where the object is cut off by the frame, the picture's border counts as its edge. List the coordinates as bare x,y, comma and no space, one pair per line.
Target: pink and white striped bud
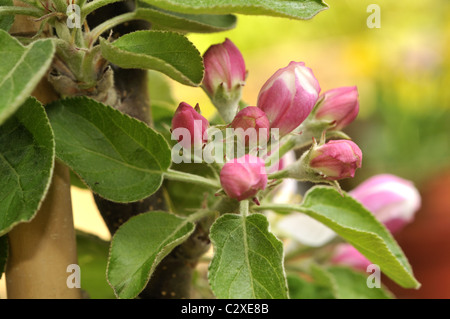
189,126
339,105
336,159
243,177
225,74
288,96
393,200
253,122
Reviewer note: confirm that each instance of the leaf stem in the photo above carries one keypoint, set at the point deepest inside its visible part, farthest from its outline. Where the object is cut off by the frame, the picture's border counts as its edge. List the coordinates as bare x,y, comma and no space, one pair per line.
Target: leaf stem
199,215
108,24
243,207
94,5
281,207
275,156
190,178
279,175
26,11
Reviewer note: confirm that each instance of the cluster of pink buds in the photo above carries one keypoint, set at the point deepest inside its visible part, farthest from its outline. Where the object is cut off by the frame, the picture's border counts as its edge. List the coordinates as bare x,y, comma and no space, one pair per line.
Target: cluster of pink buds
287,100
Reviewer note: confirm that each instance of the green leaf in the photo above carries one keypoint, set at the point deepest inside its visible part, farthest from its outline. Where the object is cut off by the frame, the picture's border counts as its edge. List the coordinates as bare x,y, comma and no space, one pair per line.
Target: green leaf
248,259
185,198
139,245
163,104
350,284
295,9
300,288
200,23
118,157
27,153
167,52
21,70
160,89
359,227
7,20
76,181
92,253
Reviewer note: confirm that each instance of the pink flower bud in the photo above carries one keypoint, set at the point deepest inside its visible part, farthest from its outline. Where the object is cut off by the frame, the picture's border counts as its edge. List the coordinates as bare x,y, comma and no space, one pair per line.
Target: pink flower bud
225,74
336,159
346,254
288,96
253,119
339,105
186,117
242,178
393,200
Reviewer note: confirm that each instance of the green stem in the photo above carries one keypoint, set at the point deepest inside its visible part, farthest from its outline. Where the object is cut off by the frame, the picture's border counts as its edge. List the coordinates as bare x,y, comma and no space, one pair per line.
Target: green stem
190,178
87,66
199,215
108,24
279,175
32,3
94,5
26,11
278,154
281,207
243,207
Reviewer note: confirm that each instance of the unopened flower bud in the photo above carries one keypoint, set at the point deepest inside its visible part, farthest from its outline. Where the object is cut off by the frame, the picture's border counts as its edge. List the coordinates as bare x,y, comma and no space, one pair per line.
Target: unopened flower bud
336,159
252,121
288,96
192,123
225,75
346,254
339,106
243,177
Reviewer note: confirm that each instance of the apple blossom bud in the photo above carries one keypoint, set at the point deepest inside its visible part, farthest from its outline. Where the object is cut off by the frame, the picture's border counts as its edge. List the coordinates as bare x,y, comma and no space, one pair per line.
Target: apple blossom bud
242,178
225,75
253,122
193,123
336,159
288,96
346,254
338,105
393,200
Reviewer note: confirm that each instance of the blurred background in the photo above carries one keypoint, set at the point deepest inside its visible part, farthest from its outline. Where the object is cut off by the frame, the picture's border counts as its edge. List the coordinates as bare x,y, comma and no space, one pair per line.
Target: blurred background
402,71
